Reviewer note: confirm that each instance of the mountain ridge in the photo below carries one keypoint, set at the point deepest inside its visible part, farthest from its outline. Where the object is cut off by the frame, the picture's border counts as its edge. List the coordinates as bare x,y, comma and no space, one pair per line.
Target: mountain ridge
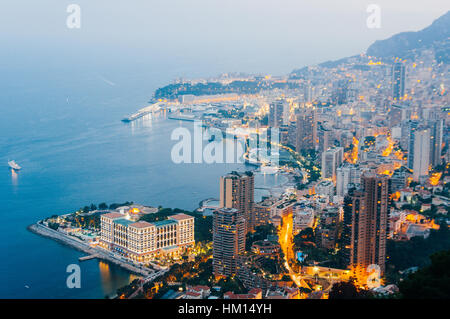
403,44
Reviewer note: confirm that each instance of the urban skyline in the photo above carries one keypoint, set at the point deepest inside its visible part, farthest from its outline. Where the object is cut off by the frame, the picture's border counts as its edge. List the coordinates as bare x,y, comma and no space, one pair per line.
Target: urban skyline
331,181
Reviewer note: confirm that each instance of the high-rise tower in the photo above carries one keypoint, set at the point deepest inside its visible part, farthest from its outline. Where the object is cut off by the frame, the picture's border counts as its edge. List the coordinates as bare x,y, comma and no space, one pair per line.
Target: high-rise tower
398,81
369,207
421,160
228,240
306,129
278,113
237,191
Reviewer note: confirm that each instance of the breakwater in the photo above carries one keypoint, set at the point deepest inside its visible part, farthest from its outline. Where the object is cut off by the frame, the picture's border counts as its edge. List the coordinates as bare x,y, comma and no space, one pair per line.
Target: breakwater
81,246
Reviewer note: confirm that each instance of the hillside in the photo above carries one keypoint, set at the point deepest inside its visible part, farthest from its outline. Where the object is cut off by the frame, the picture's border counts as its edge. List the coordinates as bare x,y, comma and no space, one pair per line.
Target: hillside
402,45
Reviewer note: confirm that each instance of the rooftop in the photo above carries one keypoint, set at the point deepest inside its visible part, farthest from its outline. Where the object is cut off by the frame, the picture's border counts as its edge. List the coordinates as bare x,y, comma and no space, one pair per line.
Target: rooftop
180,217
113,215
124,222
235,174
164,222
141,224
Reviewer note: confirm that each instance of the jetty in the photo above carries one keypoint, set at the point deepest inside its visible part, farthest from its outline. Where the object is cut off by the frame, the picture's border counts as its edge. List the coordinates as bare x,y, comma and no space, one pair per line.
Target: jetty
93,252
88,257
142,112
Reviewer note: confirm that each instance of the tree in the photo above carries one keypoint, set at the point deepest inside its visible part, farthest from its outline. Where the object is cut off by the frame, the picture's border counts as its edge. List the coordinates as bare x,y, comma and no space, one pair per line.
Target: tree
232,284
416,251
202,224
347,290
306,234
265,120
431,282
300,186
343,290
54,226
261,232
102,206
116,205
305,290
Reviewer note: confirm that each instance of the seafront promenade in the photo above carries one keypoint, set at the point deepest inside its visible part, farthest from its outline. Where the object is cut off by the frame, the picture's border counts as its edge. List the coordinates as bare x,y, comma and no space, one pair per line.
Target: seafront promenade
92,251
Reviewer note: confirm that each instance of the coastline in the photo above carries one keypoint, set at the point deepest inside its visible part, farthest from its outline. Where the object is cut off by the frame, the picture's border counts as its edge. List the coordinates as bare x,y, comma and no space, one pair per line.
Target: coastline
83,247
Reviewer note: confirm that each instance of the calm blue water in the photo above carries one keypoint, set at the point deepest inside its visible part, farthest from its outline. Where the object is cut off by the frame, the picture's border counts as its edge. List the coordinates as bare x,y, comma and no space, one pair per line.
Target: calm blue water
62,125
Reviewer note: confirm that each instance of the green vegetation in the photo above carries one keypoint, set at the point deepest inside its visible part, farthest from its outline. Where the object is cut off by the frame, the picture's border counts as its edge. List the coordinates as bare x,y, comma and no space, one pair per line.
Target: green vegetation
300,186
415,252
102,206
415,207
431,282
202,224
232,284
260,233
307,160
305,241
270,265
116,205
173,91
85,221
306,235
348,290
198,272
191,273
265,120
445,191
368,141
126,291
54,226
232,114
162,214
414,184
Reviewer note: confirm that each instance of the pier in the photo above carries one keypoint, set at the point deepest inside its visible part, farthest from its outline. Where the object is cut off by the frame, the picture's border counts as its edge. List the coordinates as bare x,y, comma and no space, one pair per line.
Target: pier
91,251
88,257
142,112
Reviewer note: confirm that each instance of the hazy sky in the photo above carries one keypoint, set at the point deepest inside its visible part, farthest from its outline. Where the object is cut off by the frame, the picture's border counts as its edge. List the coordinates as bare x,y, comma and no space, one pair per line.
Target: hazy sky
273,36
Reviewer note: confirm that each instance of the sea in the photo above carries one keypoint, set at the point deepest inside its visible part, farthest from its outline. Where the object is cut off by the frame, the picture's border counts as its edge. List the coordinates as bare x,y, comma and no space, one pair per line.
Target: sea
62,124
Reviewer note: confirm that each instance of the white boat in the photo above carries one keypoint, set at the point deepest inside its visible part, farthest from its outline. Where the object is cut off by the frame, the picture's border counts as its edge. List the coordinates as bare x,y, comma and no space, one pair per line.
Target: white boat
14,165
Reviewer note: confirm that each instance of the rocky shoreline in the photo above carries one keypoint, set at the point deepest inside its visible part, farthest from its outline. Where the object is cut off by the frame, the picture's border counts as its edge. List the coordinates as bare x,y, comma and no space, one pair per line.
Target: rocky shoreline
77,244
